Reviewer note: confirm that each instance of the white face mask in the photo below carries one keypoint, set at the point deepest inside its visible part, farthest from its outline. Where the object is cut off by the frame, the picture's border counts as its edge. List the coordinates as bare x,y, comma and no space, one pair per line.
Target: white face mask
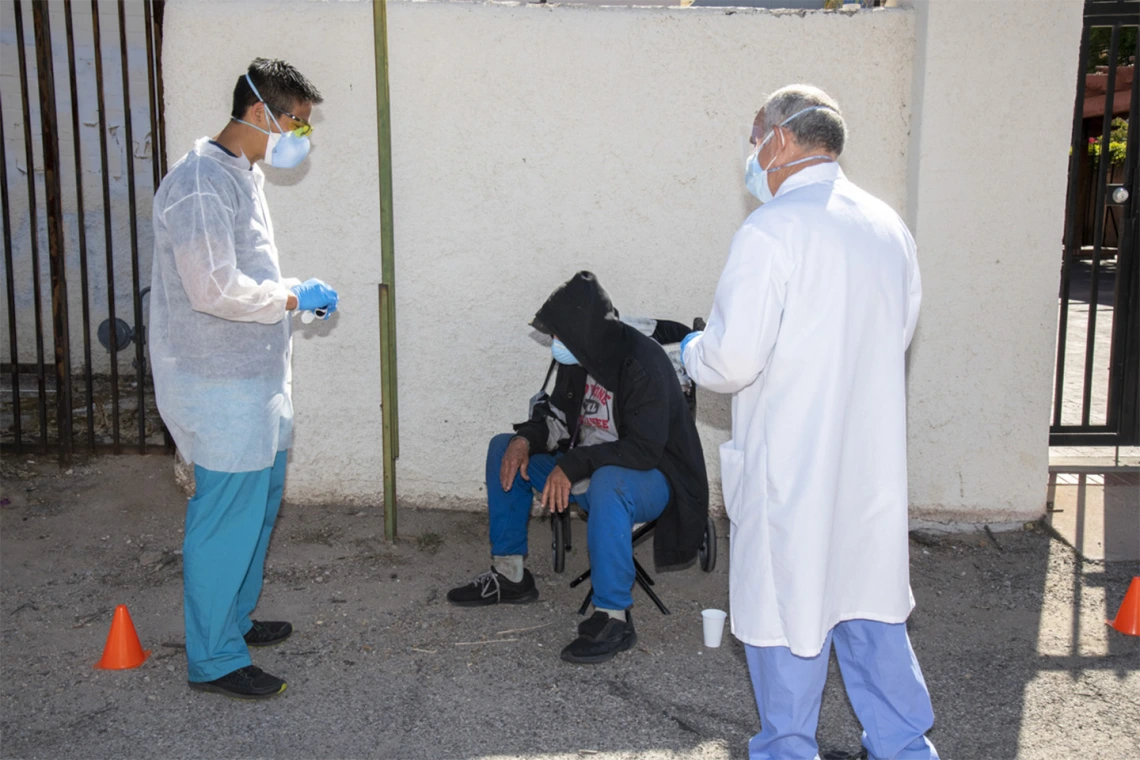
283,150
756,177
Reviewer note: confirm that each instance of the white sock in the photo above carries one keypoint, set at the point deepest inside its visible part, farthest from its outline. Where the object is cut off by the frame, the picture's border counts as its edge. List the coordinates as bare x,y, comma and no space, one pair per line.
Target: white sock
509,566
616,614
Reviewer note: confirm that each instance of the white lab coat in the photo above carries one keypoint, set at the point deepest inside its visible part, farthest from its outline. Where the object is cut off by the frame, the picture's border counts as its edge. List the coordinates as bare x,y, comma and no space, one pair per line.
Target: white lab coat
220,337
809,330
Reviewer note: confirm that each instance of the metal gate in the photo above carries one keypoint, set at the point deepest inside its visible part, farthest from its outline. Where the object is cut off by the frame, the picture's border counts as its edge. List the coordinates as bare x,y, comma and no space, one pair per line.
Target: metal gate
74,175
1096,399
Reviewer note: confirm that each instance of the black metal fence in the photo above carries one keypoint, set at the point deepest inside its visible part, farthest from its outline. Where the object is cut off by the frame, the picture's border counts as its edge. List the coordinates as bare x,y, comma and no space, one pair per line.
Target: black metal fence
101,68
1096,398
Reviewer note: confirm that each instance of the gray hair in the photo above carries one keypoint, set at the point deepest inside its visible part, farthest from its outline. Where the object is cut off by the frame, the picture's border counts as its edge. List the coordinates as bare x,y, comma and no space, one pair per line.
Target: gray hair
822,128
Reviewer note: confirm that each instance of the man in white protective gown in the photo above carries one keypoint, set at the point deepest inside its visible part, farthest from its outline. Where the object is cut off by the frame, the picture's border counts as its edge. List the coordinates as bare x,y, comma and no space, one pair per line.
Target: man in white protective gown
221,346
809,329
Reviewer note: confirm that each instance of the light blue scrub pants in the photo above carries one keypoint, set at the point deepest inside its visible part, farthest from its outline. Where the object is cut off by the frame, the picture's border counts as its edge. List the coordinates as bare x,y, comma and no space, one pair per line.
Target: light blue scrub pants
617,498
228,524
883,682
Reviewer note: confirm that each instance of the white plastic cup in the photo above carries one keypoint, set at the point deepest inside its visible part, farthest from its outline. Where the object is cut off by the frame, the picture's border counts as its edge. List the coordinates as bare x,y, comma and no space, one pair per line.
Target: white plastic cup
714,626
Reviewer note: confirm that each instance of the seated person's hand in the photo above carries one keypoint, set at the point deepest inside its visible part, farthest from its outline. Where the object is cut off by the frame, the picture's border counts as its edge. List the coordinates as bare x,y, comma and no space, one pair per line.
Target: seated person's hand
515,462
556,495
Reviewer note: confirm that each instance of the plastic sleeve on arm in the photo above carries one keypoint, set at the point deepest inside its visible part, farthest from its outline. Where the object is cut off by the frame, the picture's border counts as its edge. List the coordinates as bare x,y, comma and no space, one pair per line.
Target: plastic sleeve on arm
201,228
745,319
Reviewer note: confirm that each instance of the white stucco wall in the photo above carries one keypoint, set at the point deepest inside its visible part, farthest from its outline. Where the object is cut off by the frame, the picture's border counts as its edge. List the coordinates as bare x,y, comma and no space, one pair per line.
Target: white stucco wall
92,179
994,90
532,141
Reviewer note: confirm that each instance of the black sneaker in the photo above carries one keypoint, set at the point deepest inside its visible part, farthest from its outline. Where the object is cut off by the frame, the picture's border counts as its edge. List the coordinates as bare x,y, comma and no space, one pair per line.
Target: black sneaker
602,639
493,588
266,634
250,682
593,625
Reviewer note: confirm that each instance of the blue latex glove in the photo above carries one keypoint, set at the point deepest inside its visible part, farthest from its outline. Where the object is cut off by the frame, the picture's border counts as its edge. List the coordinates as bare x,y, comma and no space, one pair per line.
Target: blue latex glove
686,340
314,294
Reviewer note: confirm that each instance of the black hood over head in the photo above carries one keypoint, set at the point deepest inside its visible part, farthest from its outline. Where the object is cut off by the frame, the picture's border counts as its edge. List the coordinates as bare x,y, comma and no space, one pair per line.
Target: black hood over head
581,314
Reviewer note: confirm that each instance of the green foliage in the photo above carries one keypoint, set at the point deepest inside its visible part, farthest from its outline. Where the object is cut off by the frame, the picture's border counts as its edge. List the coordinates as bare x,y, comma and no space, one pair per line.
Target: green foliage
1100,40
1117,142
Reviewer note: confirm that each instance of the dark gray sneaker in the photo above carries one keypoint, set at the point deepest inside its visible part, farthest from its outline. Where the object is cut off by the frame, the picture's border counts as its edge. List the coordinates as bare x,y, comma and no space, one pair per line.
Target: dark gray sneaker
493,588
267,633
603,638
250,682
594,624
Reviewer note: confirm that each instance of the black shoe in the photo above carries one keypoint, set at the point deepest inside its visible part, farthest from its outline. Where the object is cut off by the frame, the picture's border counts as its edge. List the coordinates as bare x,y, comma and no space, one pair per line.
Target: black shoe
602,640
593,625
250,682
266,634
493,588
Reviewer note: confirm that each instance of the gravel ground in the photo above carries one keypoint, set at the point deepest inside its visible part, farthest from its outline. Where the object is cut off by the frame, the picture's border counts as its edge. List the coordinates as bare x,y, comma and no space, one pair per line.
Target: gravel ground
1009,630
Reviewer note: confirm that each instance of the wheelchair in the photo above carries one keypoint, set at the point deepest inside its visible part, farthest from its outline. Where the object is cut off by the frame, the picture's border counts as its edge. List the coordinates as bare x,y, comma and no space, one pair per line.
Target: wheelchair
668,334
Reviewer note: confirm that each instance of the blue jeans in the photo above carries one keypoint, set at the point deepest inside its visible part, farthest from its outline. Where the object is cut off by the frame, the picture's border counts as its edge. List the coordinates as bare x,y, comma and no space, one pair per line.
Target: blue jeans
883,682
617,498
228,524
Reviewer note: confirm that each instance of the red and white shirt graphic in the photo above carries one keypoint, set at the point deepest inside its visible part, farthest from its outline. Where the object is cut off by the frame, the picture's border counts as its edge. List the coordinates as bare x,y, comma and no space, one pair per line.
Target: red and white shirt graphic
596,423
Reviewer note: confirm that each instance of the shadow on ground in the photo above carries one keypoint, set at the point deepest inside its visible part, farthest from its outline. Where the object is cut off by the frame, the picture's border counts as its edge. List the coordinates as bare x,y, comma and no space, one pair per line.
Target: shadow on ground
1010,632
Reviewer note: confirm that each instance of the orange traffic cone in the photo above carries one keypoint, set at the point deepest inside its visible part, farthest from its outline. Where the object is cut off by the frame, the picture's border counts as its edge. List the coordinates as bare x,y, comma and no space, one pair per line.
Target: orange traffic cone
123,649
1128,618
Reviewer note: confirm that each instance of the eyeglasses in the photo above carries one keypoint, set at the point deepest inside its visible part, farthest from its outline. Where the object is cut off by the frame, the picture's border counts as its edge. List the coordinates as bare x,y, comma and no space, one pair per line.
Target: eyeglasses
304,128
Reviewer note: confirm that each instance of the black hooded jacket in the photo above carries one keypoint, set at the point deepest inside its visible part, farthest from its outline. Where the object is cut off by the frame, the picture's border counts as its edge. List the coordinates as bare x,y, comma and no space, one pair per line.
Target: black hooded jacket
654,425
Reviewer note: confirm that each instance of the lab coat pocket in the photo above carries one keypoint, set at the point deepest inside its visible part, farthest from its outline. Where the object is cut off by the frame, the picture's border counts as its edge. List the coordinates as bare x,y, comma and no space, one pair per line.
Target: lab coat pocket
732,480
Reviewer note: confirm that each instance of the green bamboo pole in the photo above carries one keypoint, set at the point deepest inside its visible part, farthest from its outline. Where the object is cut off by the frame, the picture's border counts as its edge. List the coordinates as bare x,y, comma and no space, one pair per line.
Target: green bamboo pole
388,363
387,229
387,392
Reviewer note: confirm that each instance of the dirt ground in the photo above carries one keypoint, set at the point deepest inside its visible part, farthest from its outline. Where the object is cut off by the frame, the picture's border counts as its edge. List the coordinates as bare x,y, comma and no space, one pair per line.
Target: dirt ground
1009,630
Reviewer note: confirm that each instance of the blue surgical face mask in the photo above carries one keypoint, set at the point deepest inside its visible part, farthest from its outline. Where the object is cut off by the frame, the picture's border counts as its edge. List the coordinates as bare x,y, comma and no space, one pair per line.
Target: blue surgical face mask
283,150
756,177
562,354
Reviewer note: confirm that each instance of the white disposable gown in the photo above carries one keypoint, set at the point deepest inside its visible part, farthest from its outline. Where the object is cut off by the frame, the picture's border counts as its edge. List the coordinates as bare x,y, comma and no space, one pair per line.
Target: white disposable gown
220,339
809,330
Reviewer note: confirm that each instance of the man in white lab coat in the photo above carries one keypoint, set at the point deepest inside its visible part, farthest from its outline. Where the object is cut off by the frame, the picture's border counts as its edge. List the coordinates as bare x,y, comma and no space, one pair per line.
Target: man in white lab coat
221,347
809,330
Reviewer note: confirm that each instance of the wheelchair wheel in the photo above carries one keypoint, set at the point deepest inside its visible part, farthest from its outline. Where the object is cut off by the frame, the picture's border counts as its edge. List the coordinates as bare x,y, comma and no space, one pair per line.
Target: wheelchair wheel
558,542
707,553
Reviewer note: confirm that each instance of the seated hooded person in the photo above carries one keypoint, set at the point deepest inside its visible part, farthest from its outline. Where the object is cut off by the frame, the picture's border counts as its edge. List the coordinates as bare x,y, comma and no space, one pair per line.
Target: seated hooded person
617,439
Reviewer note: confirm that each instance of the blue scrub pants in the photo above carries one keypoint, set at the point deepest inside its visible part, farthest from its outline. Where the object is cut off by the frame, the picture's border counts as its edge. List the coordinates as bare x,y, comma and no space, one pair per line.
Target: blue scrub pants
228,524
617,498
883,682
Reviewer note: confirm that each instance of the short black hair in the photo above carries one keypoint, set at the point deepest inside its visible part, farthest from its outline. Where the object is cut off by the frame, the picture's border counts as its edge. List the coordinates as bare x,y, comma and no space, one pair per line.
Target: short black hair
281,86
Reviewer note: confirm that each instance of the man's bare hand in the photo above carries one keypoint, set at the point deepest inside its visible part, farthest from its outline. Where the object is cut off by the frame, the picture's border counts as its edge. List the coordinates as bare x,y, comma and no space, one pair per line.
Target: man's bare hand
515,462
556,495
